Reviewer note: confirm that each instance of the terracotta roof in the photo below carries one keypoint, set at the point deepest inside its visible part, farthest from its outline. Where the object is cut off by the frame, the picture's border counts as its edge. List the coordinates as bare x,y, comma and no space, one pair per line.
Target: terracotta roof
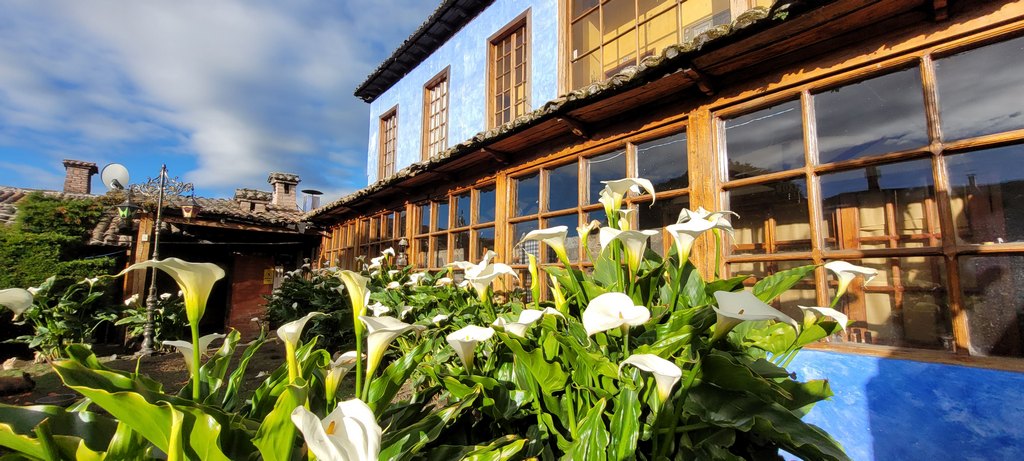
231,208
449,17
673,58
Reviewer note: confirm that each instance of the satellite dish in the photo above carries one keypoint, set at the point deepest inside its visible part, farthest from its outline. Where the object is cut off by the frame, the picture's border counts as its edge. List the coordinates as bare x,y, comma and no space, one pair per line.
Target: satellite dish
114,176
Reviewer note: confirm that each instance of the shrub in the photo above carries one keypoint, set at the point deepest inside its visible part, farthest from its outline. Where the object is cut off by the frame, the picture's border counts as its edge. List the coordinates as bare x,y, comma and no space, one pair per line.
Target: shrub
306,290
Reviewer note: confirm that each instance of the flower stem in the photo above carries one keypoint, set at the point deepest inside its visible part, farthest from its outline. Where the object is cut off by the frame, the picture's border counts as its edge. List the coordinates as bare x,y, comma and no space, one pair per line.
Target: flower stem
293,363
196,364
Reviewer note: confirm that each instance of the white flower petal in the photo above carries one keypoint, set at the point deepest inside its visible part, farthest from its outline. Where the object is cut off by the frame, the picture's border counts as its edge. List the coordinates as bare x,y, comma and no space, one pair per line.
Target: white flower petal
292,331
612,310
666,373
16,299
464,341
839,317
743,305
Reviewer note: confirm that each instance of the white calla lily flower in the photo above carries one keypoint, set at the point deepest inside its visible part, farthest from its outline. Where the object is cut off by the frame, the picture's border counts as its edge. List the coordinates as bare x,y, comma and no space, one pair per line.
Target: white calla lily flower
291,332
613,310
526,318
465,339
635,243
18,300
405,310
624,218
715,217
389,251
382,330
736,307
443,281
846,272
606,236
378,309
349,433
812,312
666,374
337,370
584,233
355,284
437,319
185,348
616,190
195,280
553,237
415,278
483,279
684,234
394,286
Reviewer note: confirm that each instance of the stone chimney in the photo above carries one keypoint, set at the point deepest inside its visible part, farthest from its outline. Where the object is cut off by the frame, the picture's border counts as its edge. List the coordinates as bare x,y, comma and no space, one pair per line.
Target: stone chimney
284,190
251,200
78,176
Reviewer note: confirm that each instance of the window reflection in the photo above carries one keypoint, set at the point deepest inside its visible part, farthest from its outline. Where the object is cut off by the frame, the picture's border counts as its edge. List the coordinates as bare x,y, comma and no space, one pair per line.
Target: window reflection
765,141
607,167
440,250
976,87
424,218
527,193
463,210
663,162
772,217
486,198
442,216
876,116
520,251
987,189
905,305
572,239
882,206
460,246
663,213
993,296
484,242
563,187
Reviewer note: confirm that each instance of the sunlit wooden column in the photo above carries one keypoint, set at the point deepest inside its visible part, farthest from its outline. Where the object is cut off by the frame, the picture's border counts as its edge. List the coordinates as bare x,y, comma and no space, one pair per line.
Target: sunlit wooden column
705,182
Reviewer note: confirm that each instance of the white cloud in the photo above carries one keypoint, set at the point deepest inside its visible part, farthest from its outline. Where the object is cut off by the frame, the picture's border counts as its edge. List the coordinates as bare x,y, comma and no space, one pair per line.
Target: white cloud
247,87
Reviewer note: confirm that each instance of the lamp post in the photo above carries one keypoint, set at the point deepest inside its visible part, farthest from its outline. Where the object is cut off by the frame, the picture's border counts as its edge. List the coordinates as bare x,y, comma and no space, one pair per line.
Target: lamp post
159,188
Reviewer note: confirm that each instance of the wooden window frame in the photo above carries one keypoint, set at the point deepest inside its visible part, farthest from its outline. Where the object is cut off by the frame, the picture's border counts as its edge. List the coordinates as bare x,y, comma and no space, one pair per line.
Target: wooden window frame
522,21
441,77
385,169
449,233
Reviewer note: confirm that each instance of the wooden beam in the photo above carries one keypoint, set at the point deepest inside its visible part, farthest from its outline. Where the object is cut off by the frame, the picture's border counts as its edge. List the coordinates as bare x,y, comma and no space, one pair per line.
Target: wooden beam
501,157
221,224
703,81
576,127
940,10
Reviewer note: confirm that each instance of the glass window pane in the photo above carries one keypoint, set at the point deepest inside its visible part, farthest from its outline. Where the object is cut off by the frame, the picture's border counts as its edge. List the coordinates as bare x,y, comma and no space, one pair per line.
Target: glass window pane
663,213
460,246
527,193
876,116
619,16
388,226
586,35
572,238
765,141
884,206
420,248
802,294
424,219
773,218
462,209
607,167
442,215
440,250
993,296
486,202
906,305
987,194
663,162
975,88
563,187
580,6
586,70
659,32
520,251
374,229
484,242
619,53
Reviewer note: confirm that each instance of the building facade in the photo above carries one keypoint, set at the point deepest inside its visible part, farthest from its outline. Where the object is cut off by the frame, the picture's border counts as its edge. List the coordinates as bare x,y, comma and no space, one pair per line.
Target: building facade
887,134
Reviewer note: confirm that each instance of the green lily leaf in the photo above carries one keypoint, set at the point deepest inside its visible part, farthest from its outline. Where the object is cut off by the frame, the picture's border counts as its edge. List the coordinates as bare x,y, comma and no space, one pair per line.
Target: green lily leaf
625,424
770,287
384,387
404,443
276,438
592,439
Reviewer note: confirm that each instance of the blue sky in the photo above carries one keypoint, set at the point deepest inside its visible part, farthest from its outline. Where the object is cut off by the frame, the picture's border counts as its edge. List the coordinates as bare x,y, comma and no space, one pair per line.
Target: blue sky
223,92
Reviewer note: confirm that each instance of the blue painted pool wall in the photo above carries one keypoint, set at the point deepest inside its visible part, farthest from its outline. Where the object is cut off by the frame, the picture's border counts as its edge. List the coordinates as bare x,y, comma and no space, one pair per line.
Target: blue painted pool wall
889,409
466,53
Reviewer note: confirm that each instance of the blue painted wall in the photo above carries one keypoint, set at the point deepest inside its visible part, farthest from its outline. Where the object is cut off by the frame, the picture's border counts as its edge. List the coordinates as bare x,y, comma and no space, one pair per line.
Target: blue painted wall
888,409
466,53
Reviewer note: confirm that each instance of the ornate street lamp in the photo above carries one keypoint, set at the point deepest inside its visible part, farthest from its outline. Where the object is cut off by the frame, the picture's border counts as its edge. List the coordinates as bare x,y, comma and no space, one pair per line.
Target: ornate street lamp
402,260
115,176
192,209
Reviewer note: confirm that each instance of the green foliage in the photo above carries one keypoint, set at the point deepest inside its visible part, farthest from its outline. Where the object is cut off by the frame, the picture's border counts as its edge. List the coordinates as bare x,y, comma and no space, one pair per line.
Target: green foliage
169,319
304,291
64,313
39,214
554,387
